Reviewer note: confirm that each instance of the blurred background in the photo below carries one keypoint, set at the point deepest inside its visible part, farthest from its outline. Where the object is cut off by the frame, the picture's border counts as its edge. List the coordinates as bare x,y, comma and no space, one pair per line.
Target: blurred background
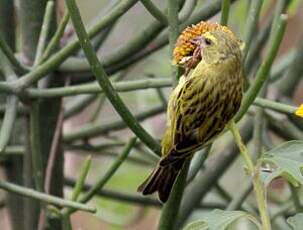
114,210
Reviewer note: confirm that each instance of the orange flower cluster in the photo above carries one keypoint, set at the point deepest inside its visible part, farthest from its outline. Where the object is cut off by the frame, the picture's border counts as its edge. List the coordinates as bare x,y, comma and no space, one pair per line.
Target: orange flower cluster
184,47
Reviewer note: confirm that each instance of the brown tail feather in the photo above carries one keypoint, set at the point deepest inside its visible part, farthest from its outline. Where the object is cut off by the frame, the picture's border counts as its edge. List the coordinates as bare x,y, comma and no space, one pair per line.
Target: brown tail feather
162,180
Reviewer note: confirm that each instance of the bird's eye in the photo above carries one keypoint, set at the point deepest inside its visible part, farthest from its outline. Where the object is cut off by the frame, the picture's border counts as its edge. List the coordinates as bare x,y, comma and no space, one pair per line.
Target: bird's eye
208,41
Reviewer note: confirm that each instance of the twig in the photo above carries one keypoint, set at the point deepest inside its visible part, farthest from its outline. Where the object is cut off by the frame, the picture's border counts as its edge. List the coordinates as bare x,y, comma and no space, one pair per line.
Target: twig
225,12
251,24
258,187
104,179
95,129
276,106
44,32
154,11
54,61
102,79
10,107
78,189
20,190
264,70
18,67
173,32
55,40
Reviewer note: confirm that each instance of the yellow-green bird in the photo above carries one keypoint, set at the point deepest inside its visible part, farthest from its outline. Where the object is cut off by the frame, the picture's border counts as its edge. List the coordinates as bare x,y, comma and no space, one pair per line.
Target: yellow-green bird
199,108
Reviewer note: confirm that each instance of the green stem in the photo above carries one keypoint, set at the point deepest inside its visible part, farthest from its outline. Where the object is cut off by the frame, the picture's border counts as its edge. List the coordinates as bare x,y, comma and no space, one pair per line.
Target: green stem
128,54
35,146
258,187
187,10
276,106
44,31
91,130
104,179
104,82
11,106
173,30
225,12
30,193
54,61
251,24
170,209
18,67
264,70
55,40
93,88
154,11
77,189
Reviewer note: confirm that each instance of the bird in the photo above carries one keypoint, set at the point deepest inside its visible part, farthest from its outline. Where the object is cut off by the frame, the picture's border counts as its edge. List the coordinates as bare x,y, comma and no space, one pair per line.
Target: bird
199,108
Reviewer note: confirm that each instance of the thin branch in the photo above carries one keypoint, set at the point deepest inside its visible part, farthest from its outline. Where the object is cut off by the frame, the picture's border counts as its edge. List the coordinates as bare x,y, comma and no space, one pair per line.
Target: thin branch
54,61
20,190
55,40
104,82
264,70
276,106
93,88
119,59
104,179
187,10
18,67
78,188
225,12
91,130
251,24
10,107
154,11
44,31
254,173
173,33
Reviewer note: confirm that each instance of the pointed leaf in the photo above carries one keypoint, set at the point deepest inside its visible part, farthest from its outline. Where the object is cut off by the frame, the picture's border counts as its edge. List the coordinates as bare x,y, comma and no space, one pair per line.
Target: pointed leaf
287,160
296,222
219,220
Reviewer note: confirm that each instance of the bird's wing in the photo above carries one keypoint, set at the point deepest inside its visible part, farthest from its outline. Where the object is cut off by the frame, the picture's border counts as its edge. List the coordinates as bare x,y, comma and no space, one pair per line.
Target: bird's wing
191,106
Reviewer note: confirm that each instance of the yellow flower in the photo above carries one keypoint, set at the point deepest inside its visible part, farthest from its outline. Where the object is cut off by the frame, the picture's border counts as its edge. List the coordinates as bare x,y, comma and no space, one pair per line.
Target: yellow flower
299,111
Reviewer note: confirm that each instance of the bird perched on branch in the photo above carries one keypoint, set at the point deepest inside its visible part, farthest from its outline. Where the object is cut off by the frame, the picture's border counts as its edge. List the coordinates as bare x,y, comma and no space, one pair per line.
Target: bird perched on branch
206,98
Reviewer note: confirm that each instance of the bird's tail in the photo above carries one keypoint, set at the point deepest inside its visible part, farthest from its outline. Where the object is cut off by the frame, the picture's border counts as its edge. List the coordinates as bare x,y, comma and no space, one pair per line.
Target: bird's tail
162,180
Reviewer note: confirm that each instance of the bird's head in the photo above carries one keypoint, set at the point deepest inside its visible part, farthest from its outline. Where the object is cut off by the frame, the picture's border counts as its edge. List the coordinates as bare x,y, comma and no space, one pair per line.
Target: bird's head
218,46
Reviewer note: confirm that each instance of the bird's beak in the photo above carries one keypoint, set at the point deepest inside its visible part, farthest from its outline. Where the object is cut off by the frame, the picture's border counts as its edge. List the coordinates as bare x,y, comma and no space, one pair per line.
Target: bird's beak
199,42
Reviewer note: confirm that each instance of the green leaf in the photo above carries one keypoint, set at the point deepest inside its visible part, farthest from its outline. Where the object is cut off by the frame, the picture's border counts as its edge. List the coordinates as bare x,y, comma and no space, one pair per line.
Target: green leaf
287,161
219,220
296,222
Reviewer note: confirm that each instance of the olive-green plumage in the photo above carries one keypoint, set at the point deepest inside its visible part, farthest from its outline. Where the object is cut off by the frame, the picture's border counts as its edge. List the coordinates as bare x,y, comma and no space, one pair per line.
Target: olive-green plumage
203,102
